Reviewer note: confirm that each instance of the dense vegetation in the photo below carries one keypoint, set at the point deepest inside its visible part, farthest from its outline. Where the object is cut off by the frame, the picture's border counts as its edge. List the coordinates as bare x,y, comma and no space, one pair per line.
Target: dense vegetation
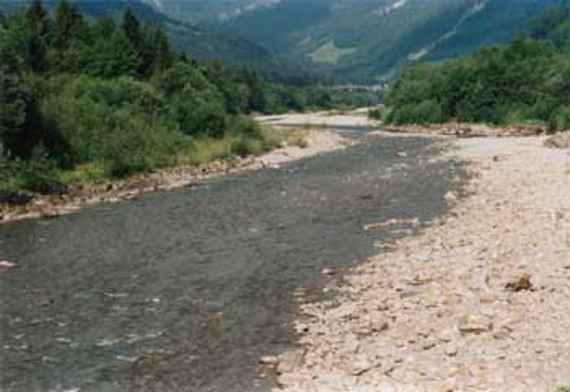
81,100
527,81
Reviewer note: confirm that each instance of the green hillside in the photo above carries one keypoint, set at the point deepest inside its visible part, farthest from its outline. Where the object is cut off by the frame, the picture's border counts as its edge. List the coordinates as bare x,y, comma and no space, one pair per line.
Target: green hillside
200,43
351,40
366,40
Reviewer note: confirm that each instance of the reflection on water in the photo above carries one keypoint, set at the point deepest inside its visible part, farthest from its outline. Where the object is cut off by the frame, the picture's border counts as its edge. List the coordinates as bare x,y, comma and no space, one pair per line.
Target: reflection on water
184,290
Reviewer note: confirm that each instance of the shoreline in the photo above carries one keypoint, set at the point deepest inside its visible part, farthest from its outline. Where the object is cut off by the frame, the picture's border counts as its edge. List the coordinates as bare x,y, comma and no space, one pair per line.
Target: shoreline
475,301
112,191
470,130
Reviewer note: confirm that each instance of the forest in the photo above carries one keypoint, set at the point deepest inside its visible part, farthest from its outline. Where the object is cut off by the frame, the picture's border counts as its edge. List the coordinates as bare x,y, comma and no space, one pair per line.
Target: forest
84,99
524,82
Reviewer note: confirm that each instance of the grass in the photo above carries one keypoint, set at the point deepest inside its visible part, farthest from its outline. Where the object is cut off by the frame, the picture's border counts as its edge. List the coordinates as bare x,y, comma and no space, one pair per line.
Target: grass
562,388
297,137
278,137
200,151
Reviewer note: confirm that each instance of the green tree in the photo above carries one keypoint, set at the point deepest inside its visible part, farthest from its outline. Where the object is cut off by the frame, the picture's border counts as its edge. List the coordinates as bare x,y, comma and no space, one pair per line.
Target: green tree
132,29
110,58
164,54
69,26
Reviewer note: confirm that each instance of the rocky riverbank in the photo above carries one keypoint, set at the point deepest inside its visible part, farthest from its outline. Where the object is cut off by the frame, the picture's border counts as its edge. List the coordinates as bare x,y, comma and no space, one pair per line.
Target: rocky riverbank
50,206
477,302
466,130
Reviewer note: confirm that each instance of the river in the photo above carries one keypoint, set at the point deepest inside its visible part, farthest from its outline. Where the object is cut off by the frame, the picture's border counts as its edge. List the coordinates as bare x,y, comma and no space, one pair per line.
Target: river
185,290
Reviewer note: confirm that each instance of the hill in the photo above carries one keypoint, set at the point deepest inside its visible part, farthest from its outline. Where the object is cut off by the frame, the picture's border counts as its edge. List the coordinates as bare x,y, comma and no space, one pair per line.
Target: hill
369,39
199,42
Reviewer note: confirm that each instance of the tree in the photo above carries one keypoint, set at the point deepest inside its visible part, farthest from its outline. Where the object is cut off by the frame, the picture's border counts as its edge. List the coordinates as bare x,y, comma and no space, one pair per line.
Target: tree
164,55
69,26
103,29
113,57
132,29
35,36
37,18
257,100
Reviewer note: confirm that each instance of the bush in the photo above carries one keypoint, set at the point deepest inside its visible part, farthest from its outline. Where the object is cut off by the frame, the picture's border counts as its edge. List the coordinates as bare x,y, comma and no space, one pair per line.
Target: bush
559,120
376,114
244,146
516,83
118,123
423,113
245,126
36,174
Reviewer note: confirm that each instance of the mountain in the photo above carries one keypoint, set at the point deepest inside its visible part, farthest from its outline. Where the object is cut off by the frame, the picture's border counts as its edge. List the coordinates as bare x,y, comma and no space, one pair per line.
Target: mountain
201,43
369,39
353,40
362,40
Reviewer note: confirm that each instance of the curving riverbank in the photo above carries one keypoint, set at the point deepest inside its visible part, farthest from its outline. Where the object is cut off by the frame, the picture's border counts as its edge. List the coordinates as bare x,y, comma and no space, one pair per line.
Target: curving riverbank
479,301
187,289
112,191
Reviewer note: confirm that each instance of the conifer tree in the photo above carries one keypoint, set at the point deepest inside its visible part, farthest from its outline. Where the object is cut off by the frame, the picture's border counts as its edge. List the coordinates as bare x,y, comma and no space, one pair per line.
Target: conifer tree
69,25
164,56
36,36
132,29
37,18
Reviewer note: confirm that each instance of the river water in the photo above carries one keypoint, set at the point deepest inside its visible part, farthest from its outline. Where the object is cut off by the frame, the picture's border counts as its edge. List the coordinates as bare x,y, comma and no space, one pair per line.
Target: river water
185,290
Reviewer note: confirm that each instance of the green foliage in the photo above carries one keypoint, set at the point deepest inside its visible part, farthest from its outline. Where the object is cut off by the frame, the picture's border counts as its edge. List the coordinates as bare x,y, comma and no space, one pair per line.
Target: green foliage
526,81
367,40
81,101
559,120
119,123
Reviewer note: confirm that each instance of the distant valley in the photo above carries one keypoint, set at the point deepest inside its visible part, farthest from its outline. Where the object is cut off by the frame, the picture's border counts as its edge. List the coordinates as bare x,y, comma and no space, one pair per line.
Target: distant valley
363,41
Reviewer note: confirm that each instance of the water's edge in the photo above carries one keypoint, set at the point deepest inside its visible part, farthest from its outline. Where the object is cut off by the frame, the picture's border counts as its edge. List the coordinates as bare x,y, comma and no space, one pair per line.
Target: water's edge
185,290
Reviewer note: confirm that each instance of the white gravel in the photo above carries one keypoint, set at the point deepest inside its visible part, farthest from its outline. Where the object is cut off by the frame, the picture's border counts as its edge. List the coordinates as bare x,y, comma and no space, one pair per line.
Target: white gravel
435,314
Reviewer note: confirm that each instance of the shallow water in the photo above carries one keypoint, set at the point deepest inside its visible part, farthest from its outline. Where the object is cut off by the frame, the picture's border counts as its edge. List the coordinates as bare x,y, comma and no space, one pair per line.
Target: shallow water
185,290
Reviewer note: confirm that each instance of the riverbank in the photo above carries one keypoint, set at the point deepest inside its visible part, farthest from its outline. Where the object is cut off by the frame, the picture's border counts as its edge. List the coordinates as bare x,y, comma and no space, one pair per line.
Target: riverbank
308,142
479,301
467,130
187,289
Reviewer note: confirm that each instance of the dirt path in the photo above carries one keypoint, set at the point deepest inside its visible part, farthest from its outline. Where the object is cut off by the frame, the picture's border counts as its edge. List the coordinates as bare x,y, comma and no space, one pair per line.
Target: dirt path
478,302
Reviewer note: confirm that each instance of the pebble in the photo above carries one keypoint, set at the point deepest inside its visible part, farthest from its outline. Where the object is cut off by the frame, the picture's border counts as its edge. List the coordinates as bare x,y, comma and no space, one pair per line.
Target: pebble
6,265
269,360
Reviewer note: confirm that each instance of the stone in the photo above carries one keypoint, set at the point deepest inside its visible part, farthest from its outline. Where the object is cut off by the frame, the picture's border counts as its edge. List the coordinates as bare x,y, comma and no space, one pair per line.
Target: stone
291,360
428,345
328,271
451,350
473,324
450,197
522,283
6,265
269,360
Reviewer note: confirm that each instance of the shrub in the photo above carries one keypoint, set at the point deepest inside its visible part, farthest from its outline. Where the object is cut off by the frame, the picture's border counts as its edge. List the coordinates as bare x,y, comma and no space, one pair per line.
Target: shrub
422,113
376,114
559,120
245,126
244,146
119,123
